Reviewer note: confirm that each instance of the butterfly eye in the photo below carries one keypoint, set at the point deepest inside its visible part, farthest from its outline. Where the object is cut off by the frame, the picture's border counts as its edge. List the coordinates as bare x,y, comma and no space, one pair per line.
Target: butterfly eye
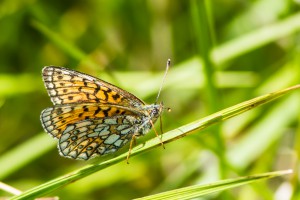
155,111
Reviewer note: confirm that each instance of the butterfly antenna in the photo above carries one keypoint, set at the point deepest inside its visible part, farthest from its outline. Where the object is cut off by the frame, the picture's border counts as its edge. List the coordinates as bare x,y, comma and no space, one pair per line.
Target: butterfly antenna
164,78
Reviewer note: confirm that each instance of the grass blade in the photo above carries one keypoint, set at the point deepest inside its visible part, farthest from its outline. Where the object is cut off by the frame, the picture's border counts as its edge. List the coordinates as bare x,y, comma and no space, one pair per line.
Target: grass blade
200,190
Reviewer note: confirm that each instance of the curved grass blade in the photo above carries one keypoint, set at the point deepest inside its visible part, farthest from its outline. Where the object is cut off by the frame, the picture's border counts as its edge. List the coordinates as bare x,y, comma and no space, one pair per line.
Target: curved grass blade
201,190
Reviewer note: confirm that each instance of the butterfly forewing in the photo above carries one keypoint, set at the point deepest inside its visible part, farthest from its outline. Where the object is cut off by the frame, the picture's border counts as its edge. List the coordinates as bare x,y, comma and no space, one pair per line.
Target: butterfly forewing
66,86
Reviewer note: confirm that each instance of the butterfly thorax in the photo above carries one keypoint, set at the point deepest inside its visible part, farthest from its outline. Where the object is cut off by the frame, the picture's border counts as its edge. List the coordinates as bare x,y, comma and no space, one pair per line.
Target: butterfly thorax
152,112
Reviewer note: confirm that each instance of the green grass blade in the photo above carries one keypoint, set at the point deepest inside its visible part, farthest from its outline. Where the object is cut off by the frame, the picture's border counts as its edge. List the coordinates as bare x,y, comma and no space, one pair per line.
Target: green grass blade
264,133
225,114
200,190
182,131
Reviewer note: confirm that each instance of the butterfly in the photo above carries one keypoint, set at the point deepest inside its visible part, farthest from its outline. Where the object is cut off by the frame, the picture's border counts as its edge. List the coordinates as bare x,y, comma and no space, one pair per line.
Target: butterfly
91,117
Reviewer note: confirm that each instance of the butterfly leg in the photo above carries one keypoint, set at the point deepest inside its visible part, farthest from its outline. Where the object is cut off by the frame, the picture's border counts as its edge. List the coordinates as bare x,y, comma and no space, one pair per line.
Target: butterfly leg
132,142
161,142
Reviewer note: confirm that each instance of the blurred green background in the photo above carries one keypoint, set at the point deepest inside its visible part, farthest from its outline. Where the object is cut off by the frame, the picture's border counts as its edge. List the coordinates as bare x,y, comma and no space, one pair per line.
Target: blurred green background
249,48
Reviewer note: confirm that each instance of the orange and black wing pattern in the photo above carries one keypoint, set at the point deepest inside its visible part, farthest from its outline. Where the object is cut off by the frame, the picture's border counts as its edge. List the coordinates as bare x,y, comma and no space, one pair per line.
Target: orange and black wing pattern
87,130
56,119
66,86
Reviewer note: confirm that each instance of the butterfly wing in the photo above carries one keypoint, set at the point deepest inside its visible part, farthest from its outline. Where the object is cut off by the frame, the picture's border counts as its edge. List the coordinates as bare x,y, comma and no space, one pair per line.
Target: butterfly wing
56,119
66,86
86,139
87,130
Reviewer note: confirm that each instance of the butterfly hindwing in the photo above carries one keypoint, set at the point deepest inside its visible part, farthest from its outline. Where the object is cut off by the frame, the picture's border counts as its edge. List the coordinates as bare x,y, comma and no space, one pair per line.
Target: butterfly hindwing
88,138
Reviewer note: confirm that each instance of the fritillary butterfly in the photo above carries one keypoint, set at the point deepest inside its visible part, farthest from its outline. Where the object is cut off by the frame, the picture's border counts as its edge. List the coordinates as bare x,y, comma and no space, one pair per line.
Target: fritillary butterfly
91,117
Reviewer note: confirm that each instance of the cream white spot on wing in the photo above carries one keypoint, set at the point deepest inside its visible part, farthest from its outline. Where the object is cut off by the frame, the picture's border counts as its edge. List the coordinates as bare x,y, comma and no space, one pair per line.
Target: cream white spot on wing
67,109
48,123
83,129
125,131
67,77
57,100
54,132
50,85
110,121
111,139
83,156
103,133
84,123
95,134
52,93
123,126
50,128
64,71
63,145
101,128
118,143
48,78
64,137
68,129
47,111
73,154
81,134
110,151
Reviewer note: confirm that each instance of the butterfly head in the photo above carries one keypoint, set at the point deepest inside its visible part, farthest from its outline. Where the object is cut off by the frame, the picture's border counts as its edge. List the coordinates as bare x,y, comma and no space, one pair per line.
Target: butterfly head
154,111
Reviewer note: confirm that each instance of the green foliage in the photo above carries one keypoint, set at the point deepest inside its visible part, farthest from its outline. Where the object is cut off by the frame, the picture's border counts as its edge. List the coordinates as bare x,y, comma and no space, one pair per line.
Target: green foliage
222,52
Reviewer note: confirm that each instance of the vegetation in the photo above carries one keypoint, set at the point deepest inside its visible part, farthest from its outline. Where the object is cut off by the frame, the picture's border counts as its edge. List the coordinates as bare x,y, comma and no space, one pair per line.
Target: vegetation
223,53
